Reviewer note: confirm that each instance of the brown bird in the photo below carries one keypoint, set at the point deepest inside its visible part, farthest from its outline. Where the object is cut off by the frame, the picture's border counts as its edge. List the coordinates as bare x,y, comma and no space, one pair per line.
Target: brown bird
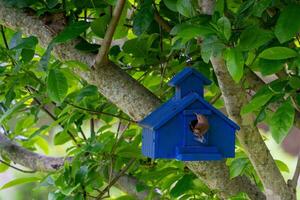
199,127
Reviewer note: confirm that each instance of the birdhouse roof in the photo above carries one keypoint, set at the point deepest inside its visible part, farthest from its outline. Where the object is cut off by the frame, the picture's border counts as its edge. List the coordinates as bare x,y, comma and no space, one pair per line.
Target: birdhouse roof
171,108
187,72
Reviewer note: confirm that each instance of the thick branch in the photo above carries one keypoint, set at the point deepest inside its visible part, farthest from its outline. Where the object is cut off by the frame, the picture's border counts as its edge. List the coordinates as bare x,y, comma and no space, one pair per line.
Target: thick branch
31,160
226,187
41,163
235,98
117,86
102,58
121,89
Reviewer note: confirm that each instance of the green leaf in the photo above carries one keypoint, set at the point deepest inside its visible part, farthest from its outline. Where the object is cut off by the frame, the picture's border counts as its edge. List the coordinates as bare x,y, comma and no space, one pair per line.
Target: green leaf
294,82
3,167
68,190
235,63
99,25
80,4
124,197
71,31
61,138
43,144
27,43
282,121
288,24
39,131
237,166
27,55
15,107
143,18
57,85
211,46
52,3
46,56
225,27
184,184
81,174
254,37
260,7
186,7
89,90
268,67
171,4
189,31
278,53
282,166
19,181
256,103
85,46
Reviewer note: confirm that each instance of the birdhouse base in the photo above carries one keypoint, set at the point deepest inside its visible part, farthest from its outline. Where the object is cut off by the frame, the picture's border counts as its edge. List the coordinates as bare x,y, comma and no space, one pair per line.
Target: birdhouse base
193,153
200,156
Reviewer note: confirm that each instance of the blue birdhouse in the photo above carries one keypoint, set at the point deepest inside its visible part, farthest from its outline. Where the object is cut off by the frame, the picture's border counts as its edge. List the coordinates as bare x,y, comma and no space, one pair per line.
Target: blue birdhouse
167,131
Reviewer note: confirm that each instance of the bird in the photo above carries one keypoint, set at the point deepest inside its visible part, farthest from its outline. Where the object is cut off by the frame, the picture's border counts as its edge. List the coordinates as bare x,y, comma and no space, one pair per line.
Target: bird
199,127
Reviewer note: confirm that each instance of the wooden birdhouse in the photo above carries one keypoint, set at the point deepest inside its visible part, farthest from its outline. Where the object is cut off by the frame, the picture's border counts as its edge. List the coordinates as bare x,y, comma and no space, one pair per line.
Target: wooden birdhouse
168,133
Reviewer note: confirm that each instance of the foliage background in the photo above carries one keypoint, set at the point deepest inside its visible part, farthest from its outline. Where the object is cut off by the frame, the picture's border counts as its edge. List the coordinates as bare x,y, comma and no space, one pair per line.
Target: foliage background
45,104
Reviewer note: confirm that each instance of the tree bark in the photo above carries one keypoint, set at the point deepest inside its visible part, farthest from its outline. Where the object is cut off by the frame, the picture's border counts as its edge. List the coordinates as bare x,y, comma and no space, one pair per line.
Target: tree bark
235,98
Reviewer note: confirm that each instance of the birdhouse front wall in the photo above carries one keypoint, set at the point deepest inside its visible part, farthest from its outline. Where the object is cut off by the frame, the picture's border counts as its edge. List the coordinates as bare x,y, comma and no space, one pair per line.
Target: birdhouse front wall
220,134
169,136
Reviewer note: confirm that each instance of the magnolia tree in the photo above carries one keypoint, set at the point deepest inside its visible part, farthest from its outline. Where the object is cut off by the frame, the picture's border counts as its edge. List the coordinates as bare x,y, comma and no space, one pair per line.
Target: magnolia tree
84,72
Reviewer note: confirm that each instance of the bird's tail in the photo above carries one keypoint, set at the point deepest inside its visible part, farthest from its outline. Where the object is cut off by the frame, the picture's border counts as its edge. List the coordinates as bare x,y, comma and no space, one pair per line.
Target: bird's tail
200,139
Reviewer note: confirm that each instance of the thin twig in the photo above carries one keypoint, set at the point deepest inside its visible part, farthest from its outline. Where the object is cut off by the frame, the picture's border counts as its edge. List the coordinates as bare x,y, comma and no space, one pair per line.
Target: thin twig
163,23
92,127
16,168
102,56
116,178
215,98
100,112
4,37
82,133
53,117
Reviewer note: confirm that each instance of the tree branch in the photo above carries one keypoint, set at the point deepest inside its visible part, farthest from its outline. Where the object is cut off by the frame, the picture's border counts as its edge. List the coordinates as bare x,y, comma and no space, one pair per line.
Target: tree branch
102,56
16,168
26,158
163,23
226,187
37,162
235,98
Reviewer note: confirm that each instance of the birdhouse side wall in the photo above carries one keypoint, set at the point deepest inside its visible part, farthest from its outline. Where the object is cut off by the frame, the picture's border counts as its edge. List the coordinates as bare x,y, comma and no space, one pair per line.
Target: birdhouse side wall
222,135
170,136
148,143
191,84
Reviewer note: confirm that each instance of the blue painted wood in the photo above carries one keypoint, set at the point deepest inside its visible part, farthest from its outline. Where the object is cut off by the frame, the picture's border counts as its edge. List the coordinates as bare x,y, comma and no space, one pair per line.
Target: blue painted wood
167,133
197,111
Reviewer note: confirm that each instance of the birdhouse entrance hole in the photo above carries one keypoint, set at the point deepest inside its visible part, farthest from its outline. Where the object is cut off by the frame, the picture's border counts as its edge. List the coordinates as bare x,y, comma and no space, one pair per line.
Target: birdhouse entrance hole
190,121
